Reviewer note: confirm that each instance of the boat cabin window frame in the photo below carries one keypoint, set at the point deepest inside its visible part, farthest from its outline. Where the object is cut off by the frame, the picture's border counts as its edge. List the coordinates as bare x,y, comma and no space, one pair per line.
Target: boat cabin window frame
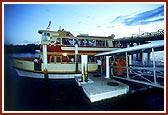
59,59
58,41
101,43
45,36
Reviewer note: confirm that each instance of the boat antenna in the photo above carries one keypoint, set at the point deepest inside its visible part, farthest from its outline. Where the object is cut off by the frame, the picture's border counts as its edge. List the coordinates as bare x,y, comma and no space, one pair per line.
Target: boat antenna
48,28
59,27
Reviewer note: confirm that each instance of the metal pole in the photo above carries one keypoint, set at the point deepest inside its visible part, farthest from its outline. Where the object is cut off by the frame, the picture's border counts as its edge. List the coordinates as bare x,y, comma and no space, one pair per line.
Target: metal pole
127,64
112,69
76,58
130,59
143,60
154,66
107,67
45,61
148,58
101,67
84,68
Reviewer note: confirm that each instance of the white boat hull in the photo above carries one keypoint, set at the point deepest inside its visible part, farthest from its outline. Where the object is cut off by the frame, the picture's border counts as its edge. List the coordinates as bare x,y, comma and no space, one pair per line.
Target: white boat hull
55,71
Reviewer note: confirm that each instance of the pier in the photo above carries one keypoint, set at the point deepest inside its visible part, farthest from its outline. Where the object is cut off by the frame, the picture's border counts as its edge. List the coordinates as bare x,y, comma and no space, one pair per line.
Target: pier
99,88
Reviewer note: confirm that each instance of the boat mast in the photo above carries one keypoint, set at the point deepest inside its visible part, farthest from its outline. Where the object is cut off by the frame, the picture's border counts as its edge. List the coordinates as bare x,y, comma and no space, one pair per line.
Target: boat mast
48,27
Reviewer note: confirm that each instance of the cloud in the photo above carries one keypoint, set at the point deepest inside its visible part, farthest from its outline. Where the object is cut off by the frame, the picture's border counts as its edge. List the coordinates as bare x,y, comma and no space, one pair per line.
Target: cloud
79,22
110,26
98,26
26,41
29,42
142,18
37,42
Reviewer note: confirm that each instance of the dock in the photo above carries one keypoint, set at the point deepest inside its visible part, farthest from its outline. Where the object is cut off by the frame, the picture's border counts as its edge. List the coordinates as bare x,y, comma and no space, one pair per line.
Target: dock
99,88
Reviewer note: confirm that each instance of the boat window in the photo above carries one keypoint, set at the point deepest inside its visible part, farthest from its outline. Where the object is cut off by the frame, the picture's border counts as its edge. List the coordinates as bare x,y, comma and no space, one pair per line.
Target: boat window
79,42
68,41
110,43
46,36
82,42
65,58
91,43
52,59
92,59
58,41
100,43
71,59
59,59
117,44
105,43
87,42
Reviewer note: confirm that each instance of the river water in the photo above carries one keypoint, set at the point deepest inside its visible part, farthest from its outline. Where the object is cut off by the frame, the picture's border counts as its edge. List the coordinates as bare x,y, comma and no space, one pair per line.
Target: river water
30,94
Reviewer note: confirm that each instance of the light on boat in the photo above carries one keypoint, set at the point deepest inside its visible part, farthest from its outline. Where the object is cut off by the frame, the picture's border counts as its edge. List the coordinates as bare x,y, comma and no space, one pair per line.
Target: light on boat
64,54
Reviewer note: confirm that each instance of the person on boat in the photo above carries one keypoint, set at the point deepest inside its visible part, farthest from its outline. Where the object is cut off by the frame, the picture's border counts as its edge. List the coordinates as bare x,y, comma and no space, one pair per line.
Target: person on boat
76,41
39,59
36,60
37,63
72,59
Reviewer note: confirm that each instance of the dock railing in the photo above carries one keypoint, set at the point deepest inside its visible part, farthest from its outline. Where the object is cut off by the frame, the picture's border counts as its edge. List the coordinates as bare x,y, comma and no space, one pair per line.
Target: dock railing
146,75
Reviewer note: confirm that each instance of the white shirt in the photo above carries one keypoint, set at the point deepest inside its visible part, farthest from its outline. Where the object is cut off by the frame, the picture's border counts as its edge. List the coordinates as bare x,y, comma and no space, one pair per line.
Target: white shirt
99,62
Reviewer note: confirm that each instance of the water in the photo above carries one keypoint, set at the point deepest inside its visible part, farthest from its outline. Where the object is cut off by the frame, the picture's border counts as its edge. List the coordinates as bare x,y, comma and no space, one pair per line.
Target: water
29,94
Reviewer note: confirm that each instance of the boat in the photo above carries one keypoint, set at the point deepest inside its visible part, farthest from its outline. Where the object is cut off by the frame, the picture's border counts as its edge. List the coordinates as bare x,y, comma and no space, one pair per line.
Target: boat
60,54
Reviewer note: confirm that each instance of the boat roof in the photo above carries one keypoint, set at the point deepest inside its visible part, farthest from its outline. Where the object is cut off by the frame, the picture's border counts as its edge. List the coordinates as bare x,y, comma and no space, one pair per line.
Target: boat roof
67,34
95,37
60,33
157,45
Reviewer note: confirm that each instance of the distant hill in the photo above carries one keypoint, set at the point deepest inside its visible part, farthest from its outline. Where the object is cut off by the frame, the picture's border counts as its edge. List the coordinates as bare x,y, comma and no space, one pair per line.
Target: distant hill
29,48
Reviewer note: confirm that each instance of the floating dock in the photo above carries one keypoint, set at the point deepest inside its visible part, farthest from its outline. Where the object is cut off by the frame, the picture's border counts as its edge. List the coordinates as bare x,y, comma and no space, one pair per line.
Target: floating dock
99,88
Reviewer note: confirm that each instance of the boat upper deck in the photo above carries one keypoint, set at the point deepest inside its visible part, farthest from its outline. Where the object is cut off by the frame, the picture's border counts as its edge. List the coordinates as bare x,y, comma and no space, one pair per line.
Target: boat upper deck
62,37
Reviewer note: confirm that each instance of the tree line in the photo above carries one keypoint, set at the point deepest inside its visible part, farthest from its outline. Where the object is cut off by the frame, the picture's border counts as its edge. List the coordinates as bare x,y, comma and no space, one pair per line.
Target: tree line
30,48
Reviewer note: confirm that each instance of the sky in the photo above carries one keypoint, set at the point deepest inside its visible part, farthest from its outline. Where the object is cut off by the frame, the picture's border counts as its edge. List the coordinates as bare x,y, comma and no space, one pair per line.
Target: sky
22,21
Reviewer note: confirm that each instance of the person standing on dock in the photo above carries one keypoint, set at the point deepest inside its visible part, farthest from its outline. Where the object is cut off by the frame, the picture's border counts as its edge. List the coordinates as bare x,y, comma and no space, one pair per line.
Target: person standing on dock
99,63
120,62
